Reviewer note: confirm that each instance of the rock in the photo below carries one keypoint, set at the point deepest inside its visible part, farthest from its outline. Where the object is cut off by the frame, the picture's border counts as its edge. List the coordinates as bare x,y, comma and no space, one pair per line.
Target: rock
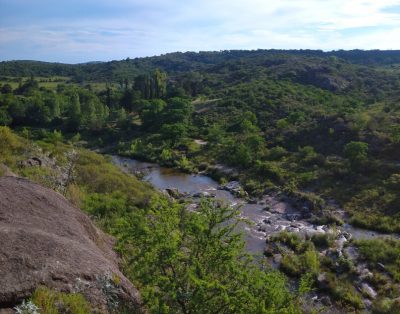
5,171
367,303
47,241
365,274
368,290
295,225
305,209
381,267
203,194
267,208
192,207
30,162
235,188
252,201
174,193
322,281
325,300
268,251
262,228
274,210
333,254
277,258
347,235
340,242
306,215
292,217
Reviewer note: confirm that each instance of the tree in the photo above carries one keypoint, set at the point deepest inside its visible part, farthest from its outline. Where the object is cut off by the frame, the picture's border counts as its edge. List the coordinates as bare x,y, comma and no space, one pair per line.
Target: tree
151,113
174,131
178,110
5,118
6,89
74,112
37,112
51,101
356,152
202,268
160,83
152,85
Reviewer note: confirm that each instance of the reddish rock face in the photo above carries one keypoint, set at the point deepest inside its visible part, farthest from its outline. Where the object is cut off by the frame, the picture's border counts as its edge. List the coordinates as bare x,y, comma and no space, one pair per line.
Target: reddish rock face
44,240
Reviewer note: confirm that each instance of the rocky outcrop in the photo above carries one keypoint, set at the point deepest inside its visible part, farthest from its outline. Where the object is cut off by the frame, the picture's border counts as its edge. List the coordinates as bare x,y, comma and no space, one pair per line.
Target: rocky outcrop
47,241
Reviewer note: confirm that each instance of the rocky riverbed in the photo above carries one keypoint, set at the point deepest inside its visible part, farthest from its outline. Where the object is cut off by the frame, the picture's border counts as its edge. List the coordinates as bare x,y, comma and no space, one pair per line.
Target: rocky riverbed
269,214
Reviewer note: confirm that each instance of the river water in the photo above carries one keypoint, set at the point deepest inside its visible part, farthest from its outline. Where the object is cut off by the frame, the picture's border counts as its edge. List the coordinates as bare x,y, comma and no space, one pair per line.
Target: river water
264,222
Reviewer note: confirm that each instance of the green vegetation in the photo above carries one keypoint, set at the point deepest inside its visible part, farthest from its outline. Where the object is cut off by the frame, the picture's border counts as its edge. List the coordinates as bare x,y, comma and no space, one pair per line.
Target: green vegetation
53,302
180,261
327,272
385,252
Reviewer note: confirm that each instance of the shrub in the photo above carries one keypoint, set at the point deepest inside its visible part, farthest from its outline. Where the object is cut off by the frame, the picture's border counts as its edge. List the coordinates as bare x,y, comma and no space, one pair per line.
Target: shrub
386,251
323,241
53,302
292,240
8,140
344,293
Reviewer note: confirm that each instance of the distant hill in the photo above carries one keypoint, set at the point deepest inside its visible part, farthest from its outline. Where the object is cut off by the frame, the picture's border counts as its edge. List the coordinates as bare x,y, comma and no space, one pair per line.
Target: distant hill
177,62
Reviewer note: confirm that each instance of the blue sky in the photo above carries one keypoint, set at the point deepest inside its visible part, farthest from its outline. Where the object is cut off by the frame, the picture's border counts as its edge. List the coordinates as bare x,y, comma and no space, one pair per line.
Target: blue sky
88,30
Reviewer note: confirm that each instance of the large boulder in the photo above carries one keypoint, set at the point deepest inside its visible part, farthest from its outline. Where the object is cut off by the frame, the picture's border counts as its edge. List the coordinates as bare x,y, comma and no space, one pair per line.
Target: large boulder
47,241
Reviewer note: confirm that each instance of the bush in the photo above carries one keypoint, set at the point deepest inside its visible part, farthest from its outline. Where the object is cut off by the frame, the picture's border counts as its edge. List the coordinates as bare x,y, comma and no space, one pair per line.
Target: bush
8,140
385,251
323,241
291,239
376,222
297,265
53,302
344,293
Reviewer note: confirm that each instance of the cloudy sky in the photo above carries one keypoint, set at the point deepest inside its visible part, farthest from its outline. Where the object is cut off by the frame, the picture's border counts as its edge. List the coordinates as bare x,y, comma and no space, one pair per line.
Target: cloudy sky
84,30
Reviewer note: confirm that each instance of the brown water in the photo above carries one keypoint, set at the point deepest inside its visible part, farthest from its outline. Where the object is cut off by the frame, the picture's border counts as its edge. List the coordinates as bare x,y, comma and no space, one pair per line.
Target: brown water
264,222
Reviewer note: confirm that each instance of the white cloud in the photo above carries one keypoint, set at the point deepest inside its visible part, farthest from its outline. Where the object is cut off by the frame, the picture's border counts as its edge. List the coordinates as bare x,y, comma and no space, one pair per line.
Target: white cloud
152,27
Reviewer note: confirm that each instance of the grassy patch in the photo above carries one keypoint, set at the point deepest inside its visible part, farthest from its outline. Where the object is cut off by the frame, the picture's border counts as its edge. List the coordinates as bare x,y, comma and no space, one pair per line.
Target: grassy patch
53,302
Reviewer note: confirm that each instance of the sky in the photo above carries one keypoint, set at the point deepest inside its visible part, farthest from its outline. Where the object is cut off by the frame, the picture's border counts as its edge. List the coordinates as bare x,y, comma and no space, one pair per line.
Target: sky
77,31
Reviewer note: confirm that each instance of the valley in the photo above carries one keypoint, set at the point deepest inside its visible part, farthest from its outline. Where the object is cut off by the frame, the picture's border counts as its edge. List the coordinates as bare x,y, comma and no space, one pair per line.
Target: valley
302,144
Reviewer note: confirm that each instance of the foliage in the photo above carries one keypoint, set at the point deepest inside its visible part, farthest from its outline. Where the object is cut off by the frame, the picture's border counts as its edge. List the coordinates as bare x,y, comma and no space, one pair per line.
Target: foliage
201,268
384,251
53,302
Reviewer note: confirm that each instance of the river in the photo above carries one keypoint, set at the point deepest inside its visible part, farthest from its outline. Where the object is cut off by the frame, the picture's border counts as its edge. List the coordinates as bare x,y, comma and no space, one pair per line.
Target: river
264,222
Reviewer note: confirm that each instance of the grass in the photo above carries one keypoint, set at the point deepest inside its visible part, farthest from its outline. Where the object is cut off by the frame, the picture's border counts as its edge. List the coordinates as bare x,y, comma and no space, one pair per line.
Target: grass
384,251
53,81
54,302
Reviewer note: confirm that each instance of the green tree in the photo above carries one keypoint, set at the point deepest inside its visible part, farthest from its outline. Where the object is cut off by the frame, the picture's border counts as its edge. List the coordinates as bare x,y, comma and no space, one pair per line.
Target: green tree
5,118
74,112
174,132
202,267
151,113
356,152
